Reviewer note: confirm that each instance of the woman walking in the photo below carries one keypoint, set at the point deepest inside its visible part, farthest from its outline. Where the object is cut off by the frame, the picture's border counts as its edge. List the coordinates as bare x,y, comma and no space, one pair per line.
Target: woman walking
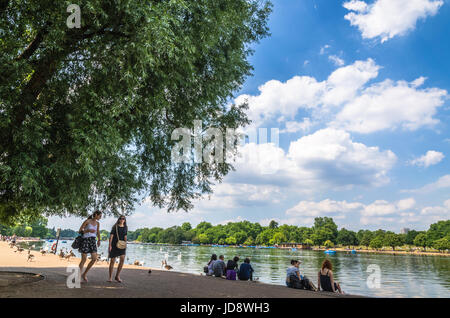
117,247
90,230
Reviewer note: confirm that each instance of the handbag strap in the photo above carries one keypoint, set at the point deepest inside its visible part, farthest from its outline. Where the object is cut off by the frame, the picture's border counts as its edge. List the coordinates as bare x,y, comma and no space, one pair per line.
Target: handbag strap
117,233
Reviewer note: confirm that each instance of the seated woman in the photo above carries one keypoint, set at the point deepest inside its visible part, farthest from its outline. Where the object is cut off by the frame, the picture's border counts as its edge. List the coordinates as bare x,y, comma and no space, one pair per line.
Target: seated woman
325,279
209,267
232,268
246,270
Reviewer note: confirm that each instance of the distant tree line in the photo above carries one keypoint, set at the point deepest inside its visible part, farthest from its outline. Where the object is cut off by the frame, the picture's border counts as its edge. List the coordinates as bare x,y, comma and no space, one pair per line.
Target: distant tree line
35,227
324,232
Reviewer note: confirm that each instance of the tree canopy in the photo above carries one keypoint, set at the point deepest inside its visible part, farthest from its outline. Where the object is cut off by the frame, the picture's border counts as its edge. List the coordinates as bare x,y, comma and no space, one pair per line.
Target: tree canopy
86,114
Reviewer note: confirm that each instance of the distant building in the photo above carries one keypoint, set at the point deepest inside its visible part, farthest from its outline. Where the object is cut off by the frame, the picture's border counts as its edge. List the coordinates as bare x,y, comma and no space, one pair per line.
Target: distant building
405,230
302,246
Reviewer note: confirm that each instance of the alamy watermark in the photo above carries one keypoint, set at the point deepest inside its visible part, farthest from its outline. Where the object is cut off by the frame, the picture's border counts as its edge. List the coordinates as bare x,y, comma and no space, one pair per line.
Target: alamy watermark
374,278
74,279
214,146
74,19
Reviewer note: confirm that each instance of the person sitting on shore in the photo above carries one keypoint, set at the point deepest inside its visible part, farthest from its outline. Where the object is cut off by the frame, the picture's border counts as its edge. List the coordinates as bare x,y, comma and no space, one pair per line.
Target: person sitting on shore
232,267
209,267
246,270
219,267
294,279
325,279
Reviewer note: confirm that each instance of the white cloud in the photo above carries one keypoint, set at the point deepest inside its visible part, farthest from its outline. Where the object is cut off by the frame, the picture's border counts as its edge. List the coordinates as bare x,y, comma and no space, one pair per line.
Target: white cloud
326,159
282,99
430,158
336,60
406,204
391,105
325,207
442,183
418,82
334,158
295,126
227,196
346,101
386,214
344,83
324,48
437,213
385,19
382,207
378,212
359,6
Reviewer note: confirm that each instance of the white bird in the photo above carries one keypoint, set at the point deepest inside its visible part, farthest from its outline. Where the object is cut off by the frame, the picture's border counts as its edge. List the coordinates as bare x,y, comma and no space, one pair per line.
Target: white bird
179,256
160,249
166,256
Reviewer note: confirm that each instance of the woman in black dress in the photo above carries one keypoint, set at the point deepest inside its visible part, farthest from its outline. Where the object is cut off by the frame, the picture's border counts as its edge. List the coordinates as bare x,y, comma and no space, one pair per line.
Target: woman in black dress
120,229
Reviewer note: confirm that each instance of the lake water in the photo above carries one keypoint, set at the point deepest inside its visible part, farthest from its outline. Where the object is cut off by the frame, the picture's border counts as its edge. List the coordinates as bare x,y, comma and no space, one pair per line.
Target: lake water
401,275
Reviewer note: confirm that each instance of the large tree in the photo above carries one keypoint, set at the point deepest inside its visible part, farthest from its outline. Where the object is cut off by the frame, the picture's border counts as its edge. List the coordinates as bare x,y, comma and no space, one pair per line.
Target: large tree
346,237
86,114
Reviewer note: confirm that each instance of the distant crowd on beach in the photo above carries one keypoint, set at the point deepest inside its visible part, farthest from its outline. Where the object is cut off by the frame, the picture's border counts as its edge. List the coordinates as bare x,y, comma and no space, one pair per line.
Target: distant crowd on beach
294,279
11,239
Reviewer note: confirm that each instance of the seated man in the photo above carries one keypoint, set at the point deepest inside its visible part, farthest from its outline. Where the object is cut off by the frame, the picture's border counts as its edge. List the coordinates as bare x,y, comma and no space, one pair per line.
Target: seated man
219,267
246,270
293,277
295,280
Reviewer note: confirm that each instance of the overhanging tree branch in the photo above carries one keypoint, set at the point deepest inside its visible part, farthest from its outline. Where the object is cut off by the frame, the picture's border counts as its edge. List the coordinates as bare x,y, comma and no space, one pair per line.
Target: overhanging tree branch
3,5
33,46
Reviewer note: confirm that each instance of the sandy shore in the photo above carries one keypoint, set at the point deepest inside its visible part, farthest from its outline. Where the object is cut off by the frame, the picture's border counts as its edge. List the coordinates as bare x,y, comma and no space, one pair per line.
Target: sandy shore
137,282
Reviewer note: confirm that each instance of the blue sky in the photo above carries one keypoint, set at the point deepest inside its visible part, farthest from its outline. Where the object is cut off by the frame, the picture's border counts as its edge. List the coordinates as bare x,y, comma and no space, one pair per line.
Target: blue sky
360,93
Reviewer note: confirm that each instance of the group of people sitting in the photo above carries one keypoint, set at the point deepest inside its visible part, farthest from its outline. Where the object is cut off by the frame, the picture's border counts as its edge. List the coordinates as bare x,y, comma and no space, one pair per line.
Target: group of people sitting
294,279
217,267
325,279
